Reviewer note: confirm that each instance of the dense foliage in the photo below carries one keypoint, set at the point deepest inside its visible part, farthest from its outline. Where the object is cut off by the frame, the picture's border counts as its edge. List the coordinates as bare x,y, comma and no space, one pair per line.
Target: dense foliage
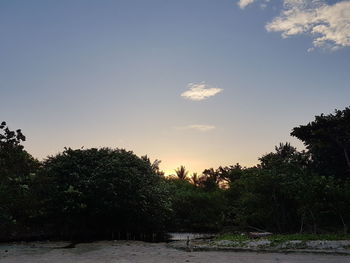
17,168
102,191
283,195
195,208
110,193
328,140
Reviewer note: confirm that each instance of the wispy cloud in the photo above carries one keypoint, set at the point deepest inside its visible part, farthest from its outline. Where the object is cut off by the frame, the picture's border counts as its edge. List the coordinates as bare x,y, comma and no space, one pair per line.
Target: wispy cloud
200,91
243,3
197,127
327,24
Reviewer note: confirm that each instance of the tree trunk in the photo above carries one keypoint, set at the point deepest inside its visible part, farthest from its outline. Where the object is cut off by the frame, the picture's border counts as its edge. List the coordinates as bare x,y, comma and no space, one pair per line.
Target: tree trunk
314,222
301,225
347,158
345,227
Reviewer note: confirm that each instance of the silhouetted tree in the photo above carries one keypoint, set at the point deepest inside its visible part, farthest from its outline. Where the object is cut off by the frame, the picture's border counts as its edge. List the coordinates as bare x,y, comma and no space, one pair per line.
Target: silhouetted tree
181,173
230,173
103,191
327,138
154,165
195,179
267,196
286,156
194,208
17,169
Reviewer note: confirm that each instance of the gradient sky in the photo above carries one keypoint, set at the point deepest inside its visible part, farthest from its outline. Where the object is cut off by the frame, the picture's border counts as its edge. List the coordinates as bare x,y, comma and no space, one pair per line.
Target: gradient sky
111,73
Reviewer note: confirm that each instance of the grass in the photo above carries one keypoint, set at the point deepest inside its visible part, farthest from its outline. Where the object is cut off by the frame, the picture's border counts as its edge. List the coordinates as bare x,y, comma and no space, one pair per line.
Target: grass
279,238
233,237
241,240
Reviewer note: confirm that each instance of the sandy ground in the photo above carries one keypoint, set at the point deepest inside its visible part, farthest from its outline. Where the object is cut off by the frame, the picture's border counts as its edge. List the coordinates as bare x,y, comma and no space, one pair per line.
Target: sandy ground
126,251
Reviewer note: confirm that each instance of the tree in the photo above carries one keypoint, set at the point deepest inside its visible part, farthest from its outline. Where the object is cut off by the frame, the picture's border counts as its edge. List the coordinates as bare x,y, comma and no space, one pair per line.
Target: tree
17,169
328,140
194,208
14,161
220,177
210,179
195,179
266,196
285,157
181,173
99,192
154,165
230,173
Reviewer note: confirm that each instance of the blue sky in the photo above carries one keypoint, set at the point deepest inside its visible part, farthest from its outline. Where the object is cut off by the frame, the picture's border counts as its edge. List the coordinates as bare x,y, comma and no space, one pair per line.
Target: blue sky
111,73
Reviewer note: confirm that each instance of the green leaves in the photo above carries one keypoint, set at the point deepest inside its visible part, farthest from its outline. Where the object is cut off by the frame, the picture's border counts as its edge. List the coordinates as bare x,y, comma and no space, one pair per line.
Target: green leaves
17,170
328,140
110,189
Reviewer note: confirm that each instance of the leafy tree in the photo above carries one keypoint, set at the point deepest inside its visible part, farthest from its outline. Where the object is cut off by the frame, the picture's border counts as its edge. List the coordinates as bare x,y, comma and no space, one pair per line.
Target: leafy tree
210,179
328,140
285,157
195,179
230,173
154,165
283,194
265,196
195,209
99,192
17,169
181,173
323,203
14,161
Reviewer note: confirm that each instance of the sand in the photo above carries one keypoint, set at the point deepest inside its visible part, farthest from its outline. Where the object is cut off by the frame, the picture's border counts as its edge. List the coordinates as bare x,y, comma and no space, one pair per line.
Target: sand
134,251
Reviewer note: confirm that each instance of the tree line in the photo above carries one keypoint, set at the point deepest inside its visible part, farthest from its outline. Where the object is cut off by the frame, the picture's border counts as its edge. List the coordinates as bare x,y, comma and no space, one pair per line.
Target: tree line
112,193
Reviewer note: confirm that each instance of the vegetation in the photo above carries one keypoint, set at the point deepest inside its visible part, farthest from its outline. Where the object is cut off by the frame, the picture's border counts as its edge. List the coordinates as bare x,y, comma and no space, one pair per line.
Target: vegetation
181,173
17,169
112,193
327,139
195,208
278,238
102,191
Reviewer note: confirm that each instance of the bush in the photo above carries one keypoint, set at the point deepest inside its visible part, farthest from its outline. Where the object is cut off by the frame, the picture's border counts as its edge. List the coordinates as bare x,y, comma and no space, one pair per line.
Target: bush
101,192
194,208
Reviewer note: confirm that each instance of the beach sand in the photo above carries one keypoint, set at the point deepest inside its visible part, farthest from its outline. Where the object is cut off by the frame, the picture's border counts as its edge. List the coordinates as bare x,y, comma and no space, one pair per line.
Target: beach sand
134,251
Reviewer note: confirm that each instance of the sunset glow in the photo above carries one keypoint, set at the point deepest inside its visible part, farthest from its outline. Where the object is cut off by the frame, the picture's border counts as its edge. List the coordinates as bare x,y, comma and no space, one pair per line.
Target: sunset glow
196,83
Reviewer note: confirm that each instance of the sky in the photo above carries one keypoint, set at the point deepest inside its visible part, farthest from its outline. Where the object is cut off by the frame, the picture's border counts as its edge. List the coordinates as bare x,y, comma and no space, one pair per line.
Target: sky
200,83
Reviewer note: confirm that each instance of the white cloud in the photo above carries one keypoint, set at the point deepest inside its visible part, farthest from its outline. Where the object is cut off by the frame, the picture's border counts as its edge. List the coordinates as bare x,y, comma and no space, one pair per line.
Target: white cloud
197,127
327,24
200,91
243,3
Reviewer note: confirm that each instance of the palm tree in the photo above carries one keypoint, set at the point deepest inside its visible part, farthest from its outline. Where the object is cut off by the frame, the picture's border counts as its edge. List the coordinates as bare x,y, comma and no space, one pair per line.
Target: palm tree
181,173
195,179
